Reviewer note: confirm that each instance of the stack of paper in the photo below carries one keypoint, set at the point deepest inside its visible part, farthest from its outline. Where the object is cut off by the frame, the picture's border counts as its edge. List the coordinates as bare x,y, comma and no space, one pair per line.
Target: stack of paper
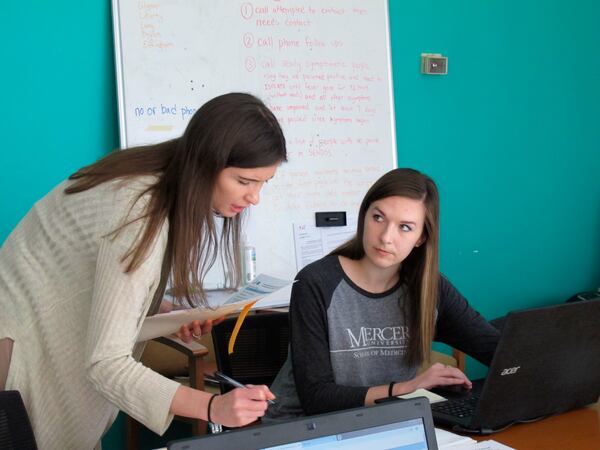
262,287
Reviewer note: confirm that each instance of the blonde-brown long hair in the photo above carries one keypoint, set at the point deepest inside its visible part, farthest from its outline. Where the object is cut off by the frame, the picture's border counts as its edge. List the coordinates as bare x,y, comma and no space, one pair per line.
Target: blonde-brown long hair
420,270
232,130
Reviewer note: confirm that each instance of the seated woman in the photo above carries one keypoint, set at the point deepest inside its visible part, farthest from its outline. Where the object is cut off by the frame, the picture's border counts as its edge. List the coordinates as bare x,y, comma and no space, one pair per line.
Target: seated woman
363,318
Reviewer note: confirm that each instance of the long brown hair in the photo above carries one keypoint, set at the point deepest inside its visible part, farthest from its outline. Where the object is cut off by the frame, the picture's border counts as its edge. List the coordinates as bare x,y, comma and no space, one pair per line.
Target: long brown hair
420,270
232,130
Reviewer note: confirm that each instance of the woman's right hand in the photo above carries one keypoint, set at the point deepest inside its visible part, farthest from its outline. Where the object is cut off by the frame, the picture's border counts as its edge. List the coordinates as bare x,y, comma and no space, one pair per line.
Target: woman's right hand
440,375
240,406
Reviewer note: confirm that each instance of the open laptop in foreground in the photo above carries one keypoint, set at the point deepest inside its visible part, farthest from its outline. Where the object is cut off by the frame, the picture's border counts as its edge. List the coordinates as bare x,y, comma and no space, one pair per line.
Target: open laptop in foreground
399,425
547,362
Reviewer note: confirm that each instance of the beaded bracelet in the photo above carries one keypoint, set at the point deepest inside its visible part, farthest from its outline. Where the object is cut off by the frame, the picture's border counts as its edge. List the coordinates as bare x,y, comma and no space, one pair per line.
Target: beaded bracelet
208,409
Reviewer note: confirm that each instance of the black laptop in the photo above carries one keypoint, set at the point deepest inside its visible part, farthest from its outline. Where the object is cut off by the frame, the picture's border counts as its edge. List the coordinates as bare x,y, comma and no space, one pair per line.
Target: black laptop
547,362
395,425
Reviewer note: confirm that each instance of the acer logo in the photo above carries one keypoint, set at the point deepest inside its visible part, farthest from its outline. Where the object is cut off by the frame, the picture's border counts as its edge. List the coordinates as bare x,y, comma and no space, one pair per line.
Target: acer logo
510,371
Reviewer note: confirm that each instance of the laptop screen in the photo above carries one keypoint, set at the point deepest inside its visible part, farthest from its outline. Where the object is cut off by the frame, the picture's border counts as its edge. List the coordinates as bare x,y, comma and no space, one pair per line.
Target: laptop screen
405,425
408,435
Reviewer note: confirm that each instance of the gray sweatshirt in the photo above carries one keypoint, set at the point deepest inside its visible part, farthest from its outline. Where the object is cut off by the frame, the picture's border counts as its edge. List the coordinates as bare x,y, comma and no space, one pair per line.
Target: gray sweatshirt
345,340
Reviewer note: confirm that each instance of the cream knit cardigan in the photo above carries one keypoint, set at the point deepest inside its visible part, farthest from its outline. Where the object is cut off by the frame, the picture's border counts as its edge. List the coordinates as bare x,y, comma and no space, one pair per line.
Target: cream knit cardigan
74,316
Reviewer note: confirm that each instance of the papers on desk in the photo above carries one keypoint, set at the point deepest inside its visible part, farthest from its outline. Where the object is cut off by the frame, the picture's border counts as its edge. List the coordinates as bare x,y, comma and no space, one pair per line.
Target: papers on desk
447,440
433,398
262,287
492,445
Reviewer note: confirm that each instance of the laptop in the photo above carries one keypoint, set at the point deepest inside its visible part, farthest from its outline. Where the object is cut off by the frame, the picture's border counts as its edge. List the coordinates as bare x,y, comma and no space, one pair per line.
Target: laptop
547,362
404,424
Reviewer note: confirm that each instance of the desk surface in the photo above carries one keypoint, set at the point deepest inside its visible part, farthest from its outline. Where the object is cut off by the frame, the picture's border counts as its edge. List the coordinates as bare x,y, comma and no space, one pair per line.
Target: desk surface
574,430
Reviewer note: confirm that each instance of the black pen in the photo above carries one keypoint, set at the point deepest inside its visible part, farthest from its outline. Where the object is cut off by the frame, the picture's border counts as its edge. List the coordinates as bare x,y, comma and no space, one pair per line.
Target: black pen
224,378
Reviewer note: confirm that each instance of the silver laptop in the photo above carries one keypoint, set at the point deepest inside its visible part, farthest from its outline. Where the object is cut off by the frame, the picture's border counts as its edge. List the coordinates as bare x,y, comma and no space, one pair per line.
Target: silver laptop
404,424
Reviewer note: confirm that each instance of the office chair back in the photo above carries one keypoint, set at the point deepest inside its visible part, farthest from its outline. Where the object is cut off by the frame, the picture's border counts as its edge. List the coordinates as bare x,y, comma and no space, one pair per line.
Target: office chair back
260,349
15,430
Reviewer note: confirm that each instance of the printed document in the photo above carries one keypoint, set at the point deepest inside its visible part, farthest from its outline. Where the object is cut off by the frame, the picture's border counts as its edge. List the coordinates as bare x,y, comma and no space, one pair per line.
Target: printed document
164,324
312,243
451,441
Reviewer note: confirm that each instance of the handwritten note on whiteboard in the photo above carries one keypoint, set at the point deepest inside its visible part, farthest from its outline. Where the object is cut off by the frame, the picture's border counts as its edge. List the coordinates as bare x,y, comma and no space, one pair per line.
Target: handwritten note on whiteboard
322,66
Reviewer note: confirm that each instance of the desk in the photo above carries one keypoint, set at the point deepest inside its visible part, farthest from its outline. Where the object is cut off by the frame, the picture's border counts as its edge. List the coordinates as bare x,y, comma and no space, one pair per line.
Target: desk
574,430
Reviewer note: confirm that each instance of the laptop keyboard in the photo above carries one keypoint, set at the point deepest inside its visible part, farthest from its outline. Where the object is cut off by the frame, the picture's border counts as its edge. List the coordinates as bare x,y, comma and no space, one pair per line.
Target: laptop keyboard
457,407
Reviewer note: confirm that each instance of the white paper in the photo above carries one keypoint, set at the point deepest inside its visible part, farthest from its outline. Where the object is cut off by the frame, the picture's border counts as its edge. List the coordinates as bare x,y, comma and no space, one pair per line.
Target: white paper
432,397
221,305
492,445
312,243
447,440
277,299
260,287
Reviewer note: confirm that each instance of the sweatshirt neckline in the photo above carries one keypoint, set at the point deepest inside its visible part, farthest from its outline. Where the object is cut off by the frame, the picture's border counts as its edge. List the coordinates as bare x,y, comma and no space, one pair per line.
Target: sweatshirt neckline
364,292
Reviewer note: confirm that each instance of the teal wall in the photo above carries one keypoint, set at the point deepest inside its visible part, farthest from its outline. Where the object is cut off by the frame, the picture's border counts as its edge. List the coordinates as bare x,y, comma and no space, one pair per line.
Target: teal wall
512,137
58,109
511,134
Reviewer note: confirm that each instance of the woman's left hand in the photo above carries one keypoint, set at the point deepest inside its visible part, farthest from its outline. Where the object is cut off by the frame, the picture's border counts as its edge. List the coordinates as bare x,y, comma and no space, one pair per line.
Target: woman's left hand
196,329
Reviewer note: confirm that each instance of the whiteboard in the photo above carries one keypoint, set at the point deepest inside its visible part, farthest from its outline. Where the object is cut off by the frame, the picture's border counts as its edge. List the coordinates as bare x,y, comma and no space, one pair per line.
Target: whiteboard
322,66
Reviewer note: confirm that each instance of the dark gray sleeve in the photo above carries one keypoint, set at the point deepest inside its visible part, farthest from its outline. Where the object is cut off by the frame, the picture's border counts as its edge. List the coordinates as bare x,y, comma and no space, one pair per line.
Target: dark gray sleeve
463,328
309,337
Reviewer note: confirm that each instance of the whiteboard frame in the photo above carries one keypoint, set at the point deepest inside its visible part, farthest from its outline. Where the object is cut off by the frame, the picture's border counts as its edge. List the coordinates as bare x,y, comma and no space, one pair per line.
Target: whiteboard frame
391,86
119,73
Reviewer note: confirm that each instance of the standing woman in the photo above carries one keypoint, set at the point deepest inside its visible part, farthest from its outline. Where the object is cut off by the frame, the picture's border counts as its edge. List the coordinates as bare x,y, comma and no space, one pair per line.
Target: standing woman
363,318
89,262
